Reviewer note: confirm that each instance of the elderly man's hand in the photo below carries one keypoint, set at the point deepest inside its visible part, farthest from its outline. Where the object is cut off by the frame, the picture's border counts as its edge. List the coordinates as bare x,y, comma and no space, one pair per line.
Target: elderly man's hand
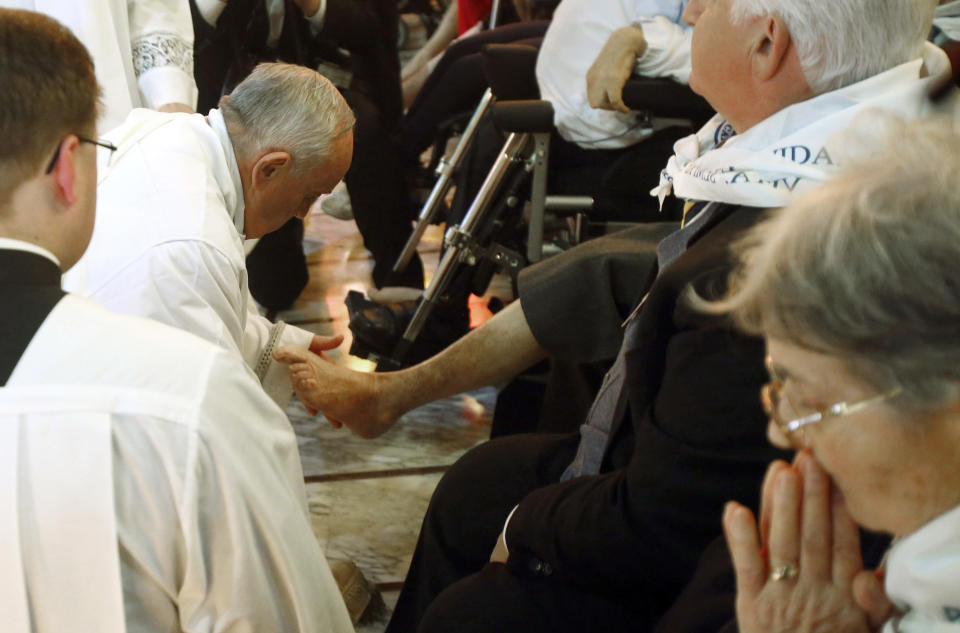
612,68
346,397
807,575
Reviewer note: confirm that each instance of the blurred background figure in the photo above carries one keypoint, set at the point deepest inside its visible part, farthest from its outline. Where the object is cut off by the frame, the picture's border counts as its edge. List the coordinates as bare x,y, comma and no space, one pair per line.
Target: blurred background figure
356,39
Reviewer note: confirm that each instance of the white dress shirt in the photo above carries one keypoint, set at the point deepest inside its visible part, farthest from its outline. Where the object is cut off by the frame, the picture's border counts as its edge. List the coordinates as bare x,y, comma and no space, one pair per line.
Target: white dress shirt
168,240
148,485
574,39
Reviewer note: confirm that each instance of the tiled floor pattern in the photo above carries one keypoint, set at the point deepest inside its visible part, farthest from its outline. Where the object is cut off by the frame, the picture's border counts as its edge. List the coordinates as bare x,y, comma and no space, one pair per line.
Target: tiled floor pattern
367,497
433,435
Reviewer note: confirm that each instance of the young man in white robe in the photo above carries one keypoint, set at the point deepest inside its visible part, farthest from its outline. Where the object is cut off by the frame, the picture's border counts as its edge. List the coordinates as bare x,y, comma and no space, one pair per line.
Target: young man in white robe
147,484
183,192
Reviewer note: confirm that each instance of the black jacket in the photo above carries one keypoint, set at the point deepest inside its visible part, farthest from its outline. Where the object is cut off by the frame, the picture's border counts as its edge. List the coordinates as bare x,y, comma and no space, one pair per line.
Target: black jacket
693,438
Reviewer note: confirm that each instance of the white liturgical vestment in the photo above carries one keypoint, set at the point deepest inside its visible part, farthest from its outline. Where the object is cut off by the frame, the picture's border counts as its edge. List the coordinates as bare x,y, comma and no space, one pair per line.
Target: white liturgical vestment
148,485
168,240
142,49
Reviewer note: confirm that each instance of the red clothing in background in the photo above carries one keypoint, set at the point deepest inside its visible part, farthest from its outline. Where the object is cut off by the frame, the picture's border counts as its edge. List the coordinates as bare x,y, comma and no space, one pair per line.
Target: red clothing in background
469,12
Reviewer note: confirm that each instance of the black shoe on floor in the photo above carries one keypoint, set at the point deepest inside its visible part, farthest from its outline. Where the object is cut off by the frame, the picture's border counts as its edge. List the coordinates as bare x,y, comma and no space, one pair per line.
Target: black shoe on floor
378,329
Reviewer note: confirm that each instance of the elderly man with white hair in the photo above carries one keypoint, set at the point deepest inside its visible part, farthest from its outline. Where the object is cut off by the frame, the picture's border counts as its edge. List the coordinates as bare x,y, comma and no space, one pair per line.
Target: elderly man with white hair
182,192
599,530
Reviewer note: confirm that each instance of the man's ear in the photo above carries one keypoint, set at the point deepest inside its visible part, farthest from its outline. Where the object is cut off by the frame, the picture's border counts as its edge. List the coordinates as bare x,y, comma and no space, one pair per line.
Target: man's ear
770,48
65,171
270,166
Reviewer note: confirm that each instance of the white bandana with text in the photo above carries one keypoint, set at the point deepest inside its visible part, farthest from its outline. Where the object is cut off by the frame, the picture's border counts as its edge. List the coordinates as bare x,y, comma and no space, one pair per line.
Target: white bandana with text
791,151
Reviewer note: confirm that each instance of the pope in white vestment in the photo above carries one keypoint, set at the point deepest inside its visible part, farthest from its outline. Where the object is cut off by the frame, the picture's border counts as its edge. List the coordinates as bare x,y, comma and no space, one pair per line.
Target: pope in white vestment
147,484
142,49
168,242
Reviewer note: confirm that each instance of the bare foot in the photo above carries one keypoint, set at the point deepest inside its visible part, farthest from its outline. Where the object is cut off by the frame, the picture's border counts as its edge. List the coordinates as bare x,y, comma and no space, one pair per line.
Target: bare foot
346,397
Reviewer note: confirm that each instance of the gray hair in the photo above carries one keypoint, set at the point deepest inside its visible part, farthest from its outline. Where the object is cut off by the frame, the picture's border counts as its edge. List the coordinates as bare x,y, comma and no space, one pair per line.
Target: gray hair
841,42
864,268
289,108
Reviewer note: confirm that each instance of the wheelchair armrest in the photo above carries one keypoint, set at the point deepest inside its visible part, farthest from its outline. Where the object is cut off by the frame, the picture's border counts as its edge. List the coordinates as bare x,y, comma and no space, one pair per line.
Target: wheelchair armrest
666,98
511,71
523,116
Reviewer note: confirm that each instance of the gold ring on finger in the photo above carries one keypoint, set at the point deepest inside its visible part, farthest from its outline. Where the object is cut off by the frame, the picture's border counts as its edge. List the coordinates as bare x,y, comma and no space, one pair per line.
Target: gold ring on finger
783,572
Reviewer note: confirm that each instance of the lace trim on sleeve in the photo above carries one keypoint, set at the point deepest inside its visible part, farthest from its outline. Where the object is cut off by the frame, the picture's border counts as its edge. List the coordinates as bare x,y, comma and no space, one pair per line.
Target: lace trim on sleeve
156,51
266,357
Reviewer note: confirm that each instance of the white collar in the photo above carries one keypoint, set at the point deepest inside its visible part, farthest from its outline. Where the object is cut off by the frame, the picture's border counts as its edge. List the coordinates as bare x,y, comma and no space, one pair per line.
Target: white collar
219,127
923,570
10,244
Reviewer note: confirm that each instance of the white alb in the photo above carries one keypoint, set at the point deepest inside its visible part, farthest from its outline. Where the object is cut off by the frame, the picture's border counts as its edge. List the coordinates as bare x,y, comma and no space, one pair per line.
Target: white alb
168,242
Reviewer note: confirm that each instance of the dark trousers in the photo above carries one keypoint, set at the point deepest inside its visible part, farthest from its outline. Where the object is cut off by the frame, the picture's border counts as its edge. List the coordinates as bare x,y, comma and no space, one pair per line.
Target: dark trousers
451,586
455,85
368,29
379,196
277,267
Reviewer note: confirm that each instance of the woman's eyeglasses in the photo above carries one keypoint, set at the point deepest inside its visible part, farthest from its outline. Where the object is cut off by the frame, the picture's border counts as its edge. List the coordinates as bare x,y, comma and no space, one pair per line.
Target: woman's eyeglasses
774,401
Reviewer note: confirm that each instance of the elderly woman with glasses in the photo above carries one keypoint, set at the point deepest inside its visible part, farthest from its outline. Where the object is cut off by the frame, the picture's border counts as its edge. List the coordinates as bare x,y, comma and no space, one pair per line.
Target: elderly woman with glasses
856,290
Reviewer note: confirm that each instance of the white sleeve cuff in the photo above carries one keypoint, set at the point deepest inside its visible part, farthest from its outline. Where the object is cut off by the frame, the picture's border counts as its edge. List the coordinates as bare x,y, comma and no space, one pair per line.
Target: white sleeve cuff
668,49
274,376
167,84
505,524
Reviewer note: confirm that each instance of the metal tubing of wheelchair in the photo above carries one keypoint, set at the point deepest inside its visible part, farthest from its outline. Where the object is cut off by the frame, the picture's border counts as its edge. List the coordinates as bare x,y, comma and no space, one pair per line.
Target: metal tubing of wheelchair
569,203
494,14
440,188
445,269
512,152
538,194
467,137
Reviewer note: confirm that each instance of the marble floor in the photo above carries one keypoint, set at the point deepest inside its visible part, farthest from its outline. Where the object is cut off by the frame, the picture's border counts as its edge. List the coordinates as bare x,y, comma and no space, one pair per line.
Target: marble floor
367,497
